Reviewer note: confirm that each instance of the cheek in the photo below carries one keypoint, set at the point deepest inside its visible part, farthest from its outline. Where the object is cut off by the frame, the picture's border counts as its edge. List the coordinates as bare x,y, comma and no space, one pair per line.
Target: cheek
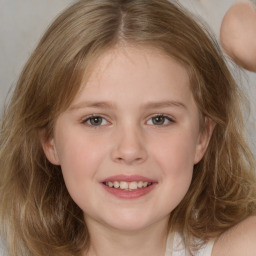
77,152
176,152
80,160
177,166
175,157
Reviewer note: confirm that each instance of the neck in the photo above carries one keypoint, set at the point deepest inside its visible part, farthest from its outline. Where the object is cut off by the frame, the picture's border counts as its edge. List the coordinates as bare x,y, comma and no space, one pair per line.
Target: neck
106,241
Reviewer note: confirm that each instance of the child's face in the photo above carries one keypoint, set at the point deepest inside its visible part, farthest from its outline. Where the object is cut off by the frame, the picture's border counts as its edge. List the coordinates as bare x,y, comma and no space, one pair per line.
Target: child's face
134,120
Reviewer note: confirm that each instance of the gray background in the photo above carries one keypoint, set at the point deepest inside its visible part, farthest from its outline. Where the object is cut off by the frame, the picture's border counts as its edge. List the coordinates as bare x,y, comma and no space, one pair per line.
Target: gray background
22,23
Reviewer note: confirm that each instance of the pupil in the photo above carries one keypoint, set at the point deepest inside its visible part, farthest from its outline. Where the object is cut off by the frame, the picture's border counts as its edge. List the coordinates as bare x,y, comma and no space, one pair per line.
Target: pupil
158,120
96,120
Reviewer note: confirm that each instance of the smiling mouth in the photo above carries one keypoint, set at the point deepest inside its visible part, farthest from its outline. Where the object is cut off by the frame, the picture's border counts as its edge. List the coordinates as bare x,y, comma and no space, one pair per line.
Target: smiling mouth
128,186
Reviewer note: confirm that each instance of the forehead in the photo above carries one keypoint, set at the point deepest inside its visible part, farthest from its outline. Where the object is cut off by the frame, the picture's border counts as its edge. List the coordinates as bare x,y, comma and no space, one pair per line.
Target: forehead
126,68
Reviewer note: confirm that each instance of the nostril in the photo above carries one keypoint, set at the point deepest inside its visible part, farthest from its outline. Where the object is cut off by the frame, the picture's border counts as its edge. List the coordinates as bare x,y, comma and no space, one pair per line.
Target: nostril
129,151
129,159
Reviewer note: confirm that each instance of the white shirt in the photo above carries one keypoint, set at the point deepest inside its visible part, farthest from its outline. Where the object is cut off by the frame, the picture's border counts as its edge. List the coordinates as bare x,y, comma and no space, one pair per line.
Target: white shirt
175,247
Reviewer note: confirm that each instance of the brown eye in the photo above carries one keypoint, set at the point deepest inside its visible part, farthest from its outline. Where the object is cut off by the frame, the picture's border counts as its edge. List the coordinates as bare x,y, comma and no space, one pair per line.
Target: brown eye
160,120
95,121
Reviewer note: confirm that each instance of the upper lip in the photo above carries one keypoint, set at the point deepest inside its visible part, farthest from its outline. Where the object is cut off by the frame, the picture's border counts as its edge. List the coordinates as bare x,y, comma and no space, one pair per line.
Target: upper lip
128,178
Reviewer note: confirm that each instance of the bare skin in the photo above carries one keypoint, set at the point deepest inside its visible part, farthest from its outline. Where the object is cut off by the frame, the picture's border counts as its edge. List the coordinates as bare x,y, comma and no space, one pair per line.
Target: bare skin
238,35
237,241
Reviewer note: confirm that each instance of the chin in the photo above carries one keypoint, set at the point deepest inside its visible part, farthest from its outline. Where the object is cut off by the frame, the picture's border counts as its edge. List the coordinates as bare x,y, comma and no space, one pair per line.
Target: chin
131,221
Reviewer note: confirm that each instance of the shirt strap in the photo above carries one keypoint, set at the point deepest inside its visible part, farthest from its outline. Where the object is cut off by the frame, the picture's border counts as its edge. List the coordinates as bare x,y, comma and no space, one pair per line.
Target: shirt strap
208,248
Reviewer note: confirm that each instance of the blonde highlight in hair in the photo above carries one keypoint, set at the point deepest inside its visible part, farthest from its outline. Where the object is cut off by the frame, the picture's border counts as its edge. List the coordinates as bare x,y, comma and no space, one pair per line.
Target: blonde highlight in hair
38,216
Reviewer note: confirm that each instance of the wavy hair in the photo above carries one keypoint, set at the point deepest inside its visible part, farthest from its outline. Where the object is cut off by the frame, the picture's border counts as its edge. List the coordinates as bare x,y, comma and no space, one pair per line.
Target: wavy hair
38,216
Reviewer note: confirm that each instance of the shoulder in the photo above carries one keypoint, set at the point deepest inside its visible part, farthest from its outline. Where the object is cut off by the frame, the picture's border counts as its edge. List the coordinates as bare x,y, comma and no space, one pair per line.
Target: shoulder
237,241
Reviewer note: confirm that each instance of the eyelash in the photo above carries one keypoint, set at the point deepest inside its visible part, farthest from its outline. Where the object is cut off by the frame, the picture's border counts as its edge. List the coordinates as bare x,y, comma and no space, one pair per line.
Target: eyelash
166,117
87,119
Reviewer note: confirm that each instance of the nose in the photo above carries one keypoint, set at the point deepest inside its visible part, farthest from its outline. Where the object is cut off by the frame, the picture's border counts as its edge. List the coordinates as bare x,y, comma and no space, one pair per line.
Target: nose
129,146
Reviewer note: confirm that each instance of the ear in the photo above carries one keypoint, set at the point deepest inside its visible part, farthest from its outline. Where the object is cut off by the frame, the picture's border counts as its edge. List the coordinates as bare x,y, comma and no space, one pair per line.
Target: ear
203,139
49,148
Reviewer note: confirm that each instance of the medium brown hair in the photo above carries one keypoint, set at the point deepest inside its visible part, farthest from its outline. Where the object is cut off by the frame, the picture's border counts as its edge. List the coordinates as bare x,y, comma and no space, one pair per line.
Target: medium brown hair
38,216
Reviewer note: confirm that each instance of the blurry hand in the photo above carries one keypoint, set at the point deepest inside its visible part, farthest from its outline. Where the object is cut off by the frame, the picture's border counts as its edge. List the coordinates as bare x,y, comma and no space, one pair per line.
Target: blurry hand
238,34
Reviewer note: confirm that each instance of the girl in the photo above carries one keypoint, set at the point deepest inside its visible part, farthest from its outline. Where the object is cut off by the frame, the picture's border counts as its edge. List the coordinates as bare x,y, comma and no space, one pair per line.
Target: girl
124,136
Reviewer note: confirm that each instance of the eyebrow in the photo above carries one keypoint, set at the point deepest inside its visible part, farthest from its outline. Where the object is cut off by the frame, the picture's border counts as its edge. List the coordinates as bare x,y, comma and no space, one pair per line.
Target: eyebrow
92,104
109,105
163,104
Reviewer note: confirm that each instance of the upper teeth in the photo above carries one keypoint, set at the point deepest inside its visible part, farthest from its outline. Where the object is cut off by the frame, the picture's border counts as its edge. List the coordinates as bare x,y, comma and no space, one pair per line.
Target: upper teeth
127,185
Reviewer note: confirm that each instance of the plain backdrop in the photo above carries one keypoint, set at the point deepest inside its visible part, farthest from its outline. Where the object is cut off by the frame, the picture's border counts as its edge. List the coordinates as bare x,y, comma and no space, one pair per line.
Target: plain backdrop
22,23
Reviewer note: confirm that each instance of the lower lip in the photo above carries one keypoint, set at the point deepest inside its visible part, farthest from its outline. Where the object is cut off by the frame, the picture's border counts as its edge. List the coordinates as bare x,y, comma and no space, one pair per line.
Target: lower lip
126,194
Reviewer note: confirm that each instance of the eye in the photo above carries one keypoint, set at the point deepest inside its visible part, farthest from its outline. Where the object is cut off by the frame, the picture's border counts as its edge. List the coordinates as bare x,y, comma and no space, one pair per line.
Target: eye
160,120
95,121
